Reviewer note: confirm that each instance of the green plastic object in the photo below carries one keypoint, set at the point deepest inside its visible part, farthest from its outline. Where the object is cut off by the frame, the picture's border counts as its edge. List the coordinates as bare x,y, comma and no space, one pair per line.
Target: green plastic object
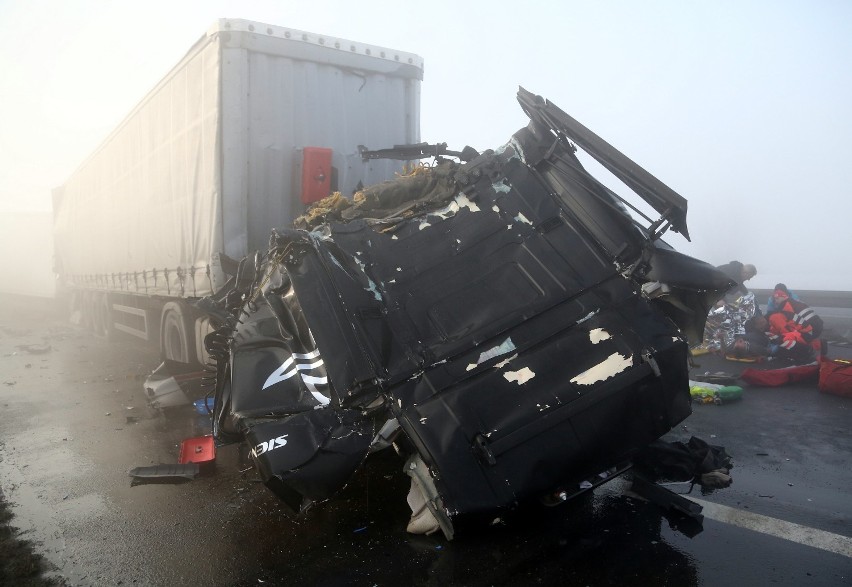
708,393
730,393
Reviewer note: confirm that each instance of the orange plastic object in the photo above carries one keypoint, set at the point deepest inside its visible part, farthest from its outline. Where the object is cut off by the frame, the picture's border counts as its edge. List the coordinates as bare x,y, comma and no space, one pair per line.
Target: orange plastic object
197,450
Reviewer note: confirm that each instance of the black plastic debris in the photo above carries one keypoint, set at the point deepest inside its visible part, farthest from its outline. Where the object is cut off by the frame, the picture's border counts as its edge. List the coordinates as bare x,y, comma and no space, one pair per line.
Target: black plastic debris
683,514
165,474
695,460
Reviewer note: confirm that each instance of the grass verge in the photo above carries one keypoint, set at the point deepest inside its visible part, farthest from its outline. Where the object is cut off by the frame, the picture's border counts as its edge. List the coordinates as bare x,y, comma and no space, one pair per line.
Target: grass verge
19,564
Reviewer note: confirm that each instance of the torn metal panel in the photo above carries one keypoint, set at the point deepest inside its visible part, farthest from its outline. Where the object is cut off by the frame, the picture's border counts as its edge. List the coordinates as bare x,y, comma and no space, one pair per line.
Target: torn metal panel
172,384
662,198
307,457
494,442
500,317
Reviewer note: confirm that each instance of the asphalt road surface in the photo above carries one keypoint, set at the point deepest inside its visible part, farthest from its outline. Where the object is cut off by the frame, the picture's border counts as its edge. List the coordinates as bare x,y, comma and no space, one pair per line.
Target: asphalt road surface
73,421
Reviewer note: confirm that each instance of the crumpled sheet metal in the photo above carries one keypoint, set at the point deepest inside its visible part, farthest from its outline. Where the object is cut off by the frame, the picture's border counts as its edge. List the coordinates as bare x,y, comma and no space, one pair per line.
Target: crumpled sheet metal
494,308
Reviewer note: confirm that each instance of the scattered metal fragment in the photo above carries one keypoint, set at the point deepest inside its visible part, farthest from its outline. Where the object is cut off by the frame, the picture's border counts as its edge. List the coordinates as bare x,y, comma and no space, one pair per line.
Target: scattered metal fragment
174,473
35,349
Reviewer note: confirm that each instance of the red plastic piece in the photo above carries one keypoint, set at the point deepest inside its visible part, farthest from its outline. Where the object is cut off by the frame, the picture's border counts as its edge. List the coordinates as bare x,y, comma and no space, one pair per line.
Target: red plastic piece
316,174
197,450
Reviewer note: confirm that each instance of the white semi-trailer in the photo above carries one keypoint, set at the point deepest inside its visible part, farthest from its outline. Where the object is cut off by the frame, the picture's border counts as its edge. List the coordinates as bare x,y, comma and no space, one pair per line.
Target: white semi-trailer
252,125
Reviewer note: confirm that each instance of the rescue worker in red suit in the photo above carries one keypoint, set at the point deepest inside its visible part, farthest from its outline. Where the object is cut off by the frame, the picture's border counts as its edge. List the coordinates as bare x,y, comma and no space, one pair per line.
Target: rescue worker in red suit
794,328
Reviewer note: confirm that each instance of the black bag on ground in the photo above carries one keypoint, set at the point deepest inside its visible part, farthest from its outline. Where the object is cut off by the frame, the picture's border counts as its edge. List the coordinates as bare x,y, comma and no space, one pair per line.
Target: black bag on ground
678,461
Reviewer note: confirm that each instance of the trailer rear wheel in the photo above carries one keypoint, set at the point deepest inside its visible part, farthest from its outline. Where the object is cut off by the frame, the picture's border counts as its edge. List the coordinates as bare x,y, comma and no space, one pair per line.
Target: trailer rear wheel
177,341
74,300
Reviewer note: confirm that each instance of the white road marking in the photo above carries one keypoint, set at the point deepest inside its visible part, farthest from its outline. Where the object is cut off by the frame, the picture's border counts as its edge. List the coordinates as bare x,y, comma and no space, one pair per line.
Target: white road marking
779,528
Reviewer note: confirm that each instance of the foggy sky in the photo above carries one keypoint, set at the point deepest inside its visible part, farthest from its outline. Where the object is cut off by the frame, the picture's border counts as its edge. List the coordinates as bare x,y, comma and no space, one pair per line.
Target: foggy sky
744,108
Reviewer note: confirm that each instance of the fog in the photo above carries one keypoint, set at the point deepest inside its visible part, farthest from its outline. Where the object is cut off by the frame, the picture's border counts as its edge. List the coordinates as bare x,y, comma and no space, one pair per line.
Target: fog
27,256
742,108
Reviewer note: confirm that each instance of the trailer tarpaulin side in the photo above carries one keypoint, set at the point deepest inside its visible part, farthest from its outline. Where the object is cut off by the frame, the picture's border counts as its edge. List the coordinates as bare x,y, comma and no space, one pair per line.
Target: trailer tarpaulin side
148,198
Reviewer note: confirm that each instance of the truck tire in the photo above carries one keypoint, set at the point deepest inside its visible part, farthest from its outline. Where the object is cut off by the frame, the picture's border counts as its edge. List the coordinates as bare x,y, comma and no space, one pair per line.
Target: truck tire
201,330
177,340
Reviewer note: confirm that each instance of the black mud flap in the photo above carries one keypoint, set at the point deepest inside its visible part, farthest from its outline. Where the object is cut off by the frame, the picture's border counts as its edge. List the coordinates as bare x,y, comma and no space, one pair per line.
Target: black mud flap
308,457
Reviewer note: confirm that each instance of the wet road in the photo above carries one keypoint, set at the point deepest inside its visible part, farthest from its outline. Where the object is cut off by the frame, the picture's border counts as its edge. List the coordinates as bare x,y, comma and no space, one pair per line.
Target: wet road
73,421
